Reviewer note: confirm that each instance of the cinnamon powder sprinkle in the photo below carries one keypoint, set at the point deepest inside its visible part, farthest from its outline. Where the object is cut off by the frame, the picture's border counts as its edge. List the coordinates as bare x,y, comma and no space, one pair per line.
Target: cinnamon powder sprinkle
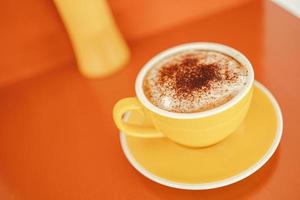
194,81
189,75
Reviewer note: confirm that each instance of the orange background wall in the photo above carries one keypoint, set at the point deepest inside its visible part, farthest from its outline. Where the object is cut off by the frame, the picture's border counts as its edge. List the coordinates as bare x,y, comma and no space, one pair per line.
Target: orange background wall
33,39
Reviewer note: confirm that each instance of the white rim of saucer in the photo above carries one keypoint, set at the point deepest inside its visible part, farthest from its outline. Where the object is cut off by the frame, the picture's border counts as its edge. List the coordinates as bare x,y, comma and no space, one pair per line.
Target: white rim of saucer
193,46
216,184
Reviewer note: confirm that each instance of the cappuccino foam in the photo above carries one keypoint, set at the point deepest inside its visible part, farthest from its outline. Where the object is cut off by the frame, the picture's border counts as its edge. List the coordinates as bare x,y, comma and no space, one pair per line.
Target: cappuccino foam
194,81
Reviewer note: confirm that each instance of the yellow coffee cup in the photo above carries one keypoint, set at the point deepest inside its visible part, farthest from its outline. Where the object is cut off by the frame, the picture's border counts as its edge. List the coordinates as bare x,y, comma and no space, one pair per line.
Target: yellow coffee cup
190,129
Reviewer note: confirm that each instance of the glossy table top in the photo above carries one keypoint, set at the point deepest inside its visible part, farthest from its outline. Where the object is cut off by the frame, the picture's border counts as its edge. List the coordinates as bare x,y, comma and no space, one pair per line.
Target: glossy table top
58,140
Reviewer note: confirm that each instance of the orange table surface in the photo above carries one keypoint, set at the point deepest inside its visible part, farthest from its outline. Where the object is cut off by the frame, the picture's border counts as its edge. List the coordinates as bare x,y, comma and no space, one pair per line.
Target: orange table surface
58,140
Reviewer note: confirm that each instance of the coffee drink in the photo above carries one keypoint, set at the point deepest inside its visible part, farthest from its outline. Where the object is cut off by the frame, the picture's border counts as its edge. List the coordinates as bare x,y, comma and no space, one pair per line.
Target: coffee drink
194,81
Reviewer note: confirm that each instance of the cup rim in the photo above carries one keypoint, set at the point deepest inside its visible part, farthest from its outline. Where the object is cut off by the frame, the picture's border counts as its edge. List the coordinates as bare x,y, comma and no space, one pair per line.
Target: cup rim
188,46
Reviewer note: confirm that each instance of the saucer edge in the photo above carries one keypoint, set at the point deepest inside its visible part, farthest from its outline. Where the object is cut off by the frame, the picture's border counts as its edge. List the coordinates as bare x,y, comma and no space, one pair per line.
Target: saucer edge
221,183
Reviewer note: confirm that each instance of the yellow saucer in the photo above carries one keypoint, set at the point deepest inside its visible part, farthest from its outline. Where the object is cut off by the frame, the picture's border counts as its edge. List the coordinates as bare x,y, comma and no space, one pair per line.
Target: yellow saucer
233,159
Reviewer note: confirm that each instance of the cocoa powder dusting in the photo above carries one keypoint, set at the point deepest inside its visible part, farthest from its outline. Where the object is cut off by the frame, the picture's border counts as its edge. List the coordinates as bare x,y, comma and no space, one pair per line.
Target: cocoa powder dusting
194,81
189,75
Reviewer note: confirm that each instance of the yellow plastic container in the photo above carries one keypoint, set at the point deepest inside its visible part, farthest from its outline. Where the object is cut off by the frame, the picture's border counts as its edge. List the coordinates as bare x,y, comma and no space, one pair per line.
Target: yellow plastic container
98,45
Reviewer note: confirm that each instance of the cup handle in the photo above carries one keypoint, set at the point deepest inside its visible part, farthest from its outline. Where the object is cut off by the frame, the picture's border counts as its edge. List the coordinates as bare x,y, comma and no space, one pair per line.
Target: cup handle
132,104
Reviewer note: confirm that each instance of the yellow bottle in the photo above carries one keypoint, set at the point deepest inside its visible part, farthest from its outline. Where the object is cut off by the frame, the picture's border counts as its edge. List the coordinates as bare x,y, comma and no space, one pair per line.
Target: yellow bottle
98,45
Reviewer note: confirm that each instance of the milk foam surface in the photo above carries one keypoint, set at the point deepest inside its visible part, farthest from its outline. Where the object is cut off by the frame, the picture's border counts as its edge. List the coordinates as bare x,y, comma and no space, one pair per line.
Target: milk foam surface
194,81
